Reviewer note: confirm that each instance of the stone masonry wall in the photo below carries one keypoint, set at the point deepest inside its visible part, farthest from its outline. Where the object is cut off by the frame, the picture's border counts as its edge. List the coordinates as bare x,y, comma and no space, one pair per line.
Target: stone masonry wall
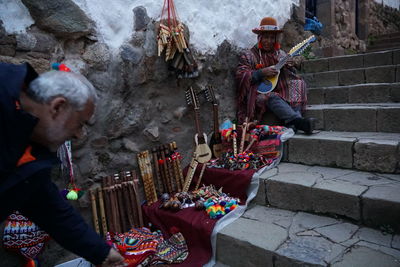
383,19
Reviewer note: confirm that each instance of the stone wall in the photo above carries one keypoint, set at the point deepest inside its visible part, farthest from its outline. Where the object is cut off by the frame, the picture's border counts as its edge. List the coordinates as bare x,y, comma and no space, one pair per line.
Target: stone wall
383,19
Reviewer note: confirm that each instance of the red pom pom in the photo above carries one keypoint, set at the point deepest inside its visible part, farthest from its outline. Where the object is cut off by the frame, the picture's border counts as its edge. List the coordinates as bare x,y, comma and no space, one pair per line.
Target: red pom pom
174,230
63,67
277,46
160,161
259,66
259,45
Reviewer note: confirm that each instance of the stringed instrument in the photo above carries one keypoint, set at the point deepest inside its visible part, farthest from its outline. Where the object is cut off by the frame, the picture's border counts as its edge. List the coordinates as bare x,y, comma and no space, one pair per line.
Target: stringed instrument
190,173
216,139
269,84
202,149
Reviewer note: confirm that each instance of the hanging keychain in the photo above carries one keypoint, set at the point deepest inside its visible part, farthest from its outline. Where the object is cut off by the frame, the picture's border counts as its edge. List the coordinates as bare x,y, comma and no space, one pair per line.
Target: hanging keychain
71,192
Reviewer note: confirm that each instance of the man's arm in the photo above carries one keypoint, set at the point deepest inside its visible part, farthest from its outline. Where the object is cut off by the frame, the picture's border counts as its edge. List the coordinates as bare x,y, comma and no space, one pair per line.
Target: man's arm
62,222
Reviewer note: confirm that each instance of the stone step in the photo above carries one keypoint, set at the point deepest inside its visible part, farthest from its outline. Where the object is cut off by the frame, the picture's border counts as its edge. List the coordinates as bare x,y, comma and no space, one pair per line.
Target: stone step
386,40
368,198
391,57
359,93
273,237
379,74
366,151
388,35
383,46
357,117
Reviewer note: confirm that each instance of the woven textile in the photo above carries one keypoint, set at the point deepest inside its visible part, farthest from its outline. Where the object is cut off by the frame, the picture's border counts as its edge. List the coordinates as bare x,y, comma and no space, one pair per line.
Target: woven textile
173,250
23,236
141,247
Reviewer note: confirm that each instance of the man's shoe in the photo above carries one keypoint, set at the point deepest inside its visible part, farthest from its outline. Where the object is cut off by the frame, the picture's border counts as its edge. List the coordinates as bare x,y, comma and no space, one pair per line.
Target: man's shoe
307,125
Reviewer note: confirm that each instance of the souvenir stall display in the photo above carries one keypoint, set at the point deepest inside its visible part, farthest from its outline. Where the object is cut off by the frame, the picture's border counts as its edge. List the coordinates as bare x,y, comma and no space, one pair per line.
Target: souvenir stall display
224,168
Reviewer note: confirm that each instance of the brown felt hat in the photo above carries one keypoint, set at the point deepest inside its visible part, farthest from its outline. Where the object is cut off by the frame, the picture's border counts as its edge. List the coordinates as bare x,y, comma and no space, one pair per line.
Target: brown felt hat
267,24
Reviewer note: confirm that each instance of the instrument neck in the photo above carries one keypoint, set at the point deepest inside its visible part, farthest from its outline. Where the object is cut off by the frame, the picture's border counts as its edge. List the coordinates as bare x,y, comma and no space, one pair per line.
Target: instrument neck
198,126
282,62
216,123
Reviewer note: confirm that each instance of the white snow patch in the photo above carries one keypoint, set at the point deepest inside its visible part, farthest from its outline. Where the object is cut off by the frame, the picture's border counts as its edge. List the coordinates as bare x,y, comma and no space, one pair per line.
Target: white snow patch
210,22
15,16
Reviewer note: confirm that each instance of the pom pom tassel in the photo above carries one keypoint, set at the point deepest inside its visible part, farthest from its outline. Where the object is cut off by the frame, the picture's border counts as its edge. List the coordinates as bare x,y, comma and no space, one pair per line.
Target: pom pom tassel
31,263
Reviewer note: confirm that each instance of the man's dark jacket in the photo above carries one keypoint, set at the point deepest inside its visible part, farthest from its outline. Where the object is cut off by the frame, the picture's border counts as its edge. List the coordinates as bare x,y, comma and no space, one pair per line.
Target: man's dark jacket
28,188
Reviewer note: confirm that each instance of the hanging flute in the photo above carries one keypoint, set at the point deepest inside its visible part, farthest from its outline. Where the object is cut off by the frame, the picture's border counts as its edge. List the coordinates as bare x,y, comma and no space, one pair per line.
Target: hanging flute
94,211
123,213
128,203
171,169
133,194
175,168
164,166
136,190
160,185
148,184
102,211
149,171
178,163
107,205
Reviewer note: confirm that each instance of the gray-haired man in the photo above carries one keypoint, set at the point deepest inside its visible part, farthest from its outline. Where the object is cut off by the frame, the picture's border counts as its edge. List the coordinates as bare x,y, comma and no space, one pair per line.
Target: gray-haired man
37,115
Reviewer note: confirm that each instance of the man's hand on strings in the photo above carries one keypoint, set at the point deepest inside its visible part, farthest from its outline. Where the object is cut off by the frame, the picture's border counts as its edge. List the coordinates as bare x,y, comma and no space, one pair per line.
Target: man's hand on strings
290,63
269,72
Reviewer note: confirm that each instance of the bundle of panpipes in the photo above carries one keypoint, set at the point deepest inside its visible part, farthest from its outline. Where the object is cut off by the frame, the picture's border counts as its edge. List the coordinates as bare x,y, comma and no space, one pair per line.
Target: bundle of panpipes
116,205
166,176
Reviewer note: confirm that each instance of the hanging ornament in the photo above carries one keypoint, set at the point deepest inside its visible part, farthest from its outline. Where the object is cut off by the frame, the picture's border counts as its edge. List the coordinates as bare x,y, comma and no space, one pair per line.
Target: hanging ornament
71,192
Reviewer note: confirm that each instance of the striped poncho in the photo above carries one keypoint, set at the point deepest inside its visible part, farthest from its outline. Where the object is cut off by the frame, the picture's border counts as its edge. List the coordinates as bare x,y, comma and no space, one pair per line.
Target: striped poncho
251,104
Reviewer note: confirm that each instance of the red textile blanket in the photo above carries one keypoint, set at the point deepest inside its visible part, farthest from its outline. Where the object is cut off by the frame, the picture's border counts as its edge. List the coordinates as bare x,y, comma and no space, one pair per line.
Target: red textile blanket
196,226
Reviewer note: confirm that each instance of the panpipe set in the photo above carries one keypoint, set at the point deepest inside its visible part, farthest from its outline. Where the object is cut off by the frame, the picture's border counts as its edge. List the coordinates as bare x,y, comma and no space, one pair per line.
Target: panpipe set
171,39
116,205
166,176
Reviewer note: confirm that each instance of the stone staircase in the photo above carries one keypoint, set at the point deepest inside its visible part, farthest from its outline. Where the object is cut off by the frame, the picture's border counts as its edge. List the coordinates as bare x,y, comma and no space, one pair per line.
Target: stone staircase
385,41
335,201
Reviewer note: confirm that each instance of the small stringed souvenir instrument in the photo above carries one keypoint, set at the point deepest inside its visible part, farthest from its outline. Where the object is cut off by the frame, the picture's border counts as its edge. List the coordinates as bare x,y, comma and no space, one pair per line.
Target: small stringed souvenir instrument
190,172
203,151
216,140
269,84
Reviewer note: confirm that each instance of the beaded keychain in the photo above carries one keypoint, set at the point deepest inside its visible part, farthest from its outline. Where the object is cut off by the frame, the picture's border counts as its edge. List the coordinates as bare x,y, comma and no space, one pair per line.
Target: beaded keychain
71,192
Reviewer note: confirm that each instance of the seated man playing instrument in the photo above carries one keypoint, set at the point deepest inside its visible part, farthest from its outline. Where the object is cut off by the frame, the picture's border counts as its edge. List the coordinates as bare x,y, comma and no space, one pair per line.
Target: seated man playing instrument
288,99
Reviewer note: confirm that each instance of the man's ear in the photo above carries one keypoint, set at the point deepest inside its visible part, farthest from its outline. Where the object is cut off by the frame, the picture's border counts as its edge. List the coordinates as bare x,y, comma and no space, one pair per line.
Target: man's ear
57,106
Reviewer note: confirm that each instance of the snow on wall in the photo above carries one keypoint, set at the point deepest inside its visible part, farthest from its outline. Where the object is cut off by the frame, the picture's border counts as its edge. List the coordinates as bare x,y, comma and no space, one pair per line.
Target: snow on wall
15,16
210,21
